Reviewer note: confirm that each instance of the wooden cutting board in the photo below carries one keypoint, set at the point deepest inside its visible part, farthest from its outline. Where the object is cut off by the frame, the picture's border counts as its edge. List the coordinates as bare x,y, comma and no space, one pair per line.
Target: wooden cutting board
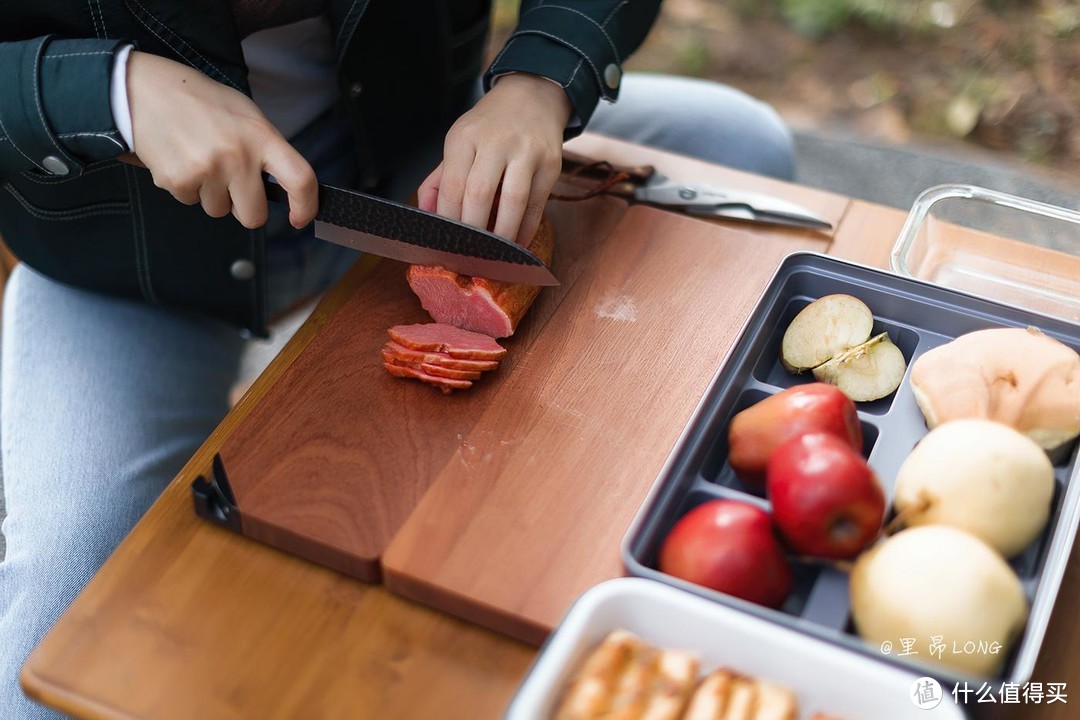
338,452
502,503
530,509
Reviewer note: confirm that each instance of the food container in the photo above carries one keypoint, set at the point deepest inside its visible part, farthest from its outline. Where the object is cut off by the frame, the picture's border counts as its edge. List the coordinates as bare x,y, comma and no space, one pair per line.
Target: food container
918,316
994,245
824,677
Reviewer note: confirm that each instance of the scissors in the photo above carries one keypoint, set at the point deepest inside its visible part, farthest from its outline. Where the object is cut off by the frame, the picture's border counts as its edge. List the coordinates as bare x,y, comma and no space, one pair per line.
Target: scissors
644,184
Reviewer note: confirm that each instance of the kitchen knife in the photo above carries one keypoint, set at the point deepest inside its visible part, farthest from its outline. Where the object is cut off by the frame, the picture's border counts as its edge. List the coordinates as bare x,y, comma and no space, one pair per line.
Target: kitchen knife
389,229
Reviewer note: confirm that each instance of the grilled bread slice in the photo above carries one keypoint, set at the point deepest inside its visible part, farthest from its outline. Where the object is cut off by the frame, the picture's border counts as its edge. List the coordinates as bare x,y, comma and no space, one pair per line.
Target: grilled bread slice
723,695
626,679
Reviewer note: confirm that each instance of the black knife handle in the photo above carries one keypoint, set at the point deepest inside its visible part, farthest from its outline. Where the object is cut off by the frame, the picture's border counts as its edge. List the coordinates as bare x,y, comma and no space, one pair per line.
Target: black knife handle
274,191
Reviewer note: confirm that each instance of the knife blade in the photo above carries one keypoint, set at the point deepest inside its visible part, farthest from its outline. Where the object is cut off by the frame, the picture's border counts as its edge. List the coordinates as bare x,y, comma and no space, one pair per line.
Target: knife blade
401,232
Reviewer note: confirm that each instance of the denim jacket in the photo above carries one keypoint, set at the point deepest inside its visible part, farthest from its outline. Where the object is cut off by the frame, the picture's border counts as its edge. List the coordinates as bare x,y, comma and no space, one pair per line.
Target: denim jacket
71,211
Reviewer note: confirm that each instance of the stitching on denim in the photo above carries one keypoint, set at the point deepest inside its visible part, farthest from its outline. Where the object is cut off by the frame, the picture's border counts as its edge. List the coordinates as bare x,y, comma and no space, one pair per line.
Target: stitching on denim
7,136
113,208
573,75
55,179
186,51
12,140
101,16
34,83
355,9
93,17
142,267
568,44
501,52
614,10
106,135
611,43
78,54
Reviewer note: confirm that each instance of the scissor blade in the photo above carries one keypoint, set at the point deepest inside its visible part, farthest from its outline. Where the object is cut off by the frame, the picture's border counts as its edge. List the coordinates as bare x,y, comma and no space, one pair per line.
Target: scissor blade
753,214
711,200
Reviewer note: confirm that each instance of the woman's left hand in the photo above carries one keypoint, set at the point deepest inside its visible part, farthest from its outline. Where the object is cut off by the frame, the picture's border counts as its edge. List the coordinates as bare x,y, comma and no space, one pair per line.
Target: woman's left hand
512,136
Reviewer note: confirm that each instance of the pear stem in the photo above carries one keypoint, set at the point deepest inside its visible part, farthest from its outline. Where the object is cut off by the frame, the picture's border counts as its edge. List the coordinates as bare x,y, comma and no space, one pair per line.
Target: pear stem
900,519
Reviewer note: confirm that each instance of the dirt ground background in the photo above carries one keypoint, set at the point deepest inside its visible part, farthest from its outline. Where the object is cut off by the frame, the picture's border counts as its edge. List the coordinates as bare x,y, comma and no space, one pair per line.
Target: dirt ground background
991,76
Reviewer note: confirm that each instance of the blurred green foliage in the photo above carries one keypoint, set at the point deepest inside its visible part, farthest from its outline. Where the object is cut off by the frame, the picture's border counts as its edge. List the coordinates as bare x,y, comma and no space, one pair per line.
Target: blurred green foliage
819,17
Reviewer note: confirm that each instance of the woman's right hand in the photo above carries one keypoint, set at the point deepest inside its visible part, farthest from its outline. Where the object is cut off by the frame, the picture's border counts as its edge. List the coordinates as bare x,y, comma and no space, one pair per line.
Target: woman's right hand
207,143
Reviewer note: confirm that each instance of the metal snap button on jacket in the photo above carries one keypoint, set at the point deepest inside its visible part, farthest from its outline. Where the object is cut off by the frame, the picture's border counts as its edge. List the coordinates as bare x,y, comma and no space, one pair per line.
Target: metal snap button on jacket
612,76
242,269
55,165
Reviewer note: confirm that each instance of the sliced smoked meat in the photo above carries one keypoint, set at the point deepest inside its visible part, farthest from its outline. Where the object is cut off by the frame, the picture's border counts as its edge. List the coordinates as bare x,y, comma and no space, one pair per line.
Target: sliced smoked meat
455,342
436,370
445,372
447,385
416,357
486,306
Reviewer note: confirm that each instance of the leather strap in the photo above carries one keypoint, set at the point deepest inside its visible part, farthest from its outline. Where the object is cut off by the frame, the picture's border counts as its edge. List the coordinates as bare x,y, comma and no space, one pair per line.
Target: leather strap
620,180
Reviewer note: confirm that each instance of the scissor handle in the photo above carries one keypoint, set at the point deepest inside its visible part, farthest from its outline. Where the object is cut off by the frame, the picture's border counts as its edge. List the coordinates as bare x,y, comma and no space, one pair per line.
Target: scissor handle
584,166
608,178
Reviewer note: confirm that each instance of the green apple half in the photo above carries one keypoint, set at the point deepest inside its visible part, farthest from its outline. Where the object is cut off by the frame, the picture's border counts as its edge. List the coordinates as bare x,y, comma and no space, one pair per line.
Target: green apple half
831,337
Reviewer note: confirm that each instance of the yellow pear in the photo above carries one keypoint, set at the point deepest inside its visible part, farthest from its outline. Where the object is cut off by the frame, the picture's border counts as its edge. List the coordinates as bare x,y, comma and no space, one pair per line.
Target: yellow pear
980,476
942,594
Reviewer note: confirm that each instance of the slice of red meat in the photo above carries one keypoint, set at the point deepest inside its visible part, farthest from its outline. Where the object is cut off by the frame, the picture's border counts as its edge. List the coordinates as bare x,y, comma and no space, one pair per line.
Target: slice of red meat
447,385
486,306
444,372
436,370
455,342
416,357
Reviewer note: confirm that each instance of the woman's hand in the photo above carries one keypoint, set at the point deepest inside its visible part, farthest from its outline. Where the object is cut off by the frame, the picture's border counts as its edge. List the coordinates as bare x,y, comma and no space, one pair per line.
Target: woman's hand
207,143
513,136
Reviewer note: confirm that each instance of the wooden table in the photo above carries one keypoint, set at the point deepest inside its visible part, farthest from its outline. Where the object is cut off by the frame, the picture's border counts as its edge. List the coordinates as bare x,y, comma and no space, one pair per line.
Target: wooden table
187,620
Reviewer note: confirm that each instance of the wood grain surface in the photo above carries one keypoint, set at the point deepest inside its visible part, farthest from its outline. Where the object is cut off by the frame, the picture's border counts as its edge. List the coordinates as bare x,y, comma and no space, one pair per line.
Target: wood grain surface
189,621
334,458
867,233
531,508
336,455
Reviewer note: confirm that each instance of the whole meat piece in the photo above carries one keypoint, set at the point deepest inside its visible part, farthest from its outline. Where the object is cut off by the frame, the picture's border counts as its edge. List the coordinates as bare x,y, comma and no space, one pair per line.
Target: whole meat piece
485,306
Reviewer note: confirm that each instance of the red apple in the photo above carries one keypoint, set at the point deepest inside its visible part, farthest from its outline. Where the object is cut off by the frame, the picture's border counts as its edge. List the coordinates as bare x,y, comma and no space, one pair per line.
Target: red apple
759,429
729,546
826,500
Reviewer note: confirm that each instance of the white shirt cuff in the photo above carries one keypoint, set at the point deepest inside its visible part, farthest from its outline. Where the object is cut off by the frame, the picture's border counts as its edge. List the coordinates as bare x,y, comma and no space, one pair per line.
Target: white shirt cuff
118,97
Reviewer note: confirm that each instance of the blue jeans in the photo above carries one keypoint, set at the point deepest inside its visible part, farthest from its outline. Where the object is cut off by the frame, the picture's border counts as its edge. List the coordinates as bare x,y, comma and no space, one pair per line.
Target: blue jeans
104,400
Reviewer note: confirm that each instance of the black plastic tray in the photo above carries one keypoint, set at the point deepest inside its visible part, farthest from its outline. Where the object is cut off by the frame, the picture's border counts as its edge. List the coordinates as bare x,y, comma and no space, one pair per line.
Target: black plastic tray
918,316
